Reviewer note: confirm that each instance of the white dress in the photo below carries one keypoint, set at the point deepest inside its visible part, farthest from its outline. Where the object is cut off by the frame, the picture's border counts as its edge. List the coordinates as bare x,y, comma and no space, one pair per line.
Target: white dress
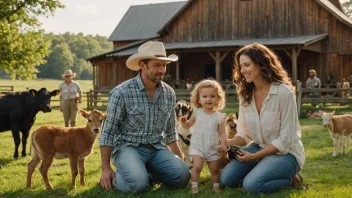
205,135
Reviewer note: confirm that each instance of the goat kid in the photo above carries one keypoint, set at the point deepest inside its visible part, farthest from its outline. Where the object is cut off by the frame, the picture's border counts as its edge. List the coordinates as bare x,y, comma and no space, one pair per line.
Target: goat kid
75,143
231,131
184,108
340,128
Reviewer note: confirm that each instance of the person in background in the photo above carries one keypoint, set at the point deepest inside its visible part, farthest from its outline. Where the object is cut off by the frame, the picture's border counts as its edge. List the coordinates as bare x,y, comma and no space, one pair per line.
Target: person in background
70,97
313,82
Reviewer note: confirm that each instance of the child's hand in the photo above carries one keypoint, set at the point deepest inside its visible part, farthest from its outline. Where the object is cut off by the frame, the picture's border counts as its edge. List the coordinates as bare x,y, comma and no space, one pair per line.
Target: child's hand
183,118
221,147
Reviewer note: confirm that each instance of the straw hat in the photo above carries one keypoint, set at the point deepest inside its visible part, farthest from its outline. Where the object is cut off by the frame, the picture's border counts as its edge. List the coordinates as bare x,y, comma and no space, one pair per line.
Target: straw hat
68,73
312,70
149,50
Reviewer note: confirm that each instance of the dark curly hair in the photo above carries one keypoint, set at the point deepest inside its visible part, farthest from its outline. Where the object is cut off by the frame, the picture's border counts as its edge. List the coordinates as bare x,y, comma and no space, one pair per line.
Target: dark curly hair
270,67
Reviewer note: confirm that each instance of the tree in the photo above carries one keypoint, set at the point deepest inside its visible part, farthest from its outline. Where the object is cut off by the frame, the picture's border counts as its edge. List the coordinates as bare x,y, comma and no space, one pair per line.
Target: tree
347,7
22,44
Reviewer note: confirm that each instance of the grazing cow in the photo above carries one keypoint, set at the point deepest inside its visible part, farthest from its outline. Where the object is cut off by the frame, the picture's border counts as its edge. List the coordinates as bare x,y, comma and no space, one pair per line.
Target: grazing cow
18,111
313,114
184,108
75,143
340,127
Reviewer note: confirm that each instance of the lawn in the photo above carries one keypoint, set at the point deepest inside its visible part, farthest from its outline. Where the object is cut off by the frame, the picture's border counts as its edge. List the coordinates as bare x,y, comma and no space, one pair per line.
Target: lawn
326,176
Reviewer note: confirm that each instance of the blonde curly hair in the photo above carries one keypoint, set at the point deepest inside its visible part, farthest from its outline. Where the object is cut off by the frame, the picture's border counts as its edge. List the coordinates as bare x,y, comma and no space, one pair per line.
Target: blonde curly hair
206,83
270,67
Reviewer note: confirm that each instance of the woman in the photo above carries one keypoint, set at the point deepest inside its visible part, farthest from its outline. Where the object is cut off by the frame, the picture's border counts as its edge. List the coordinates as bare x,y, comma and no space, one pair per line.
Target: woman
268,125
71,95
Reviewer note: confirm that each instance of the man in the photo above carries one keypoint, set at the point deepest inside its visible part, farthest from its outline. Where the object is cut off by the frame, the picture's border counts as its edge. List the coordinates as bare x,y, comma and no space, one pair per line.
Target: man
140,121
313,82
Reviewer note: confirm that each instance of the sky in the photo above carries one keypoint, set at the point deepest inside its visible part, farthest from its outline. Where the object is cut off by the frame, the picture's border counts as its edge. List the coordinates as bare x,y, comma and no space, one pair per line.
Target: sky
91,16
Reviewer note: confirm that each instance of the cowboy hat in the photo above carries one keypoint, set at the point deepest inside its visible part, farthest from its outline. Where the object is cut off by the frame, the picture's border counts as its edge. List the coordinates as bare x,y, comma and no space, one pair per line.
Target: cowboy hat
149,50
312,70
68,73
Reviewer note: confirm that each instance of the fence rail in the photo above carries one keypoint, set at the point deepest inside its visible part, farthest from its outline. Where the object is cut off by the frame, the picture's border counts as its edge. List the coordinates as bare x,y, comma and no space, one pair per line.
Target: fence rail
6,88
332,95
98,99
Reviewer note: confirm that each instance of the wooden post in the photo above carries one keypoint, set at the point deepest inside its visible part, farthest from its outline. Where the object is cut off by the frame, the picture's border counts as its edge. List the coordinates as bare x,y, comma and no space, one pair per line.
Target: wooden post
177,71
94,75
293,55
218,61
299,97
88,93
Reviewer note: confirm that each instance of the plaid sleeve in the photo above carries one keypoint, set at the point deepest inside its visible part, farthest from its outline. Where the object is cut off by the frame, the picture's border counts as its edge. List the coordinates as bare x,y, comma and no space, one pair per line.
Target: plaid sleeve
170,132
115,113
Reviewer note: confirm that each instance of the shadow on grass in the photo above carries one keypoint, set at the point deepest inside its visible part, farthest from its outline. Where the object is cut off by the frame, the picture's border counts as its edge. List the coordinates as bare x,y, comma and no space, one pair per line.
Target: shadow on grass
5,161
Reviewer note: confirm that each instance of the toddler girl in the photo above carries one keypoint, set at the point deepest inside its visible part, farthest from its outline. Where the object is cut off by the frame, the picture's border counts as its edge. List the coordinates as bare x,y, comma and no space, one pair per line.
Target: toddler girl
209,124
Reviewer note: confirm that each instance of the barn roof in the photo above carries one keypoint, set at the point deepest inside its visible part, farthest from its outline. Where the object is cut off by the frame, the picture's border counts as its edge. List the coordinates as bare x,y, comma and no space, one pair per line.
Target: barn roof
144,21
299,40
325,3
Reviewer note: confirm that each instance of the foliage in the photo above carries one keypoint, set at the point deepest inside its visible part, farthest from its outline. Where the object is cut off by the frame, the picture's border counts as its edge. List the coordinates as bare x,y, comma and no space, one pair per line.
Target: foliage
69,51
347,7
22,45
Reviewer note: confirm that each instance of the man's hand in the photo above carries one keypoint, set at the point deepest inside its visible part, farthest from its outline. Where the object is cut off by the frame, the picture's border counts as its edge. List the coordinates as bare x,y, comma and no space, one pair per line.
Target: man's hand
107,178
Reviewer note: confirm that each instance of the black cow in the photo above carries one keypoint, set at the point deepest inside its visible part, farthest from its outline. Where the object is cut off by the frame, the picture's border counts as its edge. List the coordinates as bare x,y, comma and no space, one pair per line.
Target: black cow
18,111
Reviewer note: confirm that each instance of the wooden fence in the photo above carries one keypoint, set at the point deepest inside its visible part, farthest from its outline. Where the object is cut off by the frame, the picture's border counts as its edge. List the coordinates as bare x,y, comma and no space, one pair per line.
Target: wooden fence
6,89
324,96
98,99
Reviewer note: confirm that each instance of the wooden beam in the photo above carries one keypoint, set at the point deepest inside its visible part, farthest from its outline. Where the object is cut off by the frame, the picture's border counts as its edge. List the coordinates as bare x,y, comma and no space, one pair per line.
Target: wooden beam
223,56
293,56
212,56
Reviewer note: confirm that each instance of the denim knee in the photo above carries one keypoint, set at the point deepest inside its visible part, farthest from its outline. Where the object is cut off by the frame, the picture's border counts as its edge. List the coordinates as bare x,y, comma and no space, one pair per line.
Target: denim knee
252,185
136,183
180,177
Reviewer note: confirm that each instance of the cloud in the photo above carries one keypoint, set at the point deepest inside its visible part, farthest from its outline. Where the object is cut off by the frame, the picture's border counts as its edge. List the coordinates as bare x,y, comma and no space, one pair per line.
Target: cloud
87,9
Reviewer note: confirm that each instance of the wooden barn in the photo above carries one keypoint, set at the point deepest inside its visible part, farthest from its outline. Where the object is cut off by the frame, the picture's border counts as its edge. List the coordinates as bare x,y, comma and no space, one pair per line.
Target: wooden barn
205,34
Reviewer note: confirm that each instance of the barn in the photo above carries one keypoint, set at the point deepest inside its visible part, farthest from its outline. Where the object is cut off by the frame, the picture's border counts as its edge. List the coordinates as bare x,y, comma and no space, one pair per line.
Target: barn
205,34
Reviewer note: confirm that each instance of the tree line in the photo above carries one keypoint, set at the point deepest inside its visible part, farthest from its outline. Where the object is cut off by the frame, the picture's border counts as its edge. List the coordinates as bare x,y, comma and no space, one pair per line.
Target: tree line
69,51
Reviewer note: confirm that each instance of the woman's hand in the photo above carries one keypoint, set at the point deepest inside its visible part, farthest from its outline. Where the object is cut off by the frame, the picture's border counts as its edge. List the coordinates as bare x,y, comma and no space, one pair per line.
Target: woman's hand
245,156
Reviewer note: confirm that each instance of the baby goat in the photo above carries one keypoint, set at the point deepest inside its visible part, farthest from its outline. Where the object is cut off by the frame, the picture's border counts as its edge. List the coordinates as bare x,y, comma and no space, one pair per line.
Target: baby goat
75,143
340,127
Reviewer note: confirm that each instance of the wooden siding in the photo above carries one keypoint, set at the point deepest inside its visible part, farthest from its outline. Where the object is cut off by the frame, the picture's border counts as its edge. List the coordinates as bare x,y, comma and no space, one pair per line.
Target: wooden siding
205,20
118,44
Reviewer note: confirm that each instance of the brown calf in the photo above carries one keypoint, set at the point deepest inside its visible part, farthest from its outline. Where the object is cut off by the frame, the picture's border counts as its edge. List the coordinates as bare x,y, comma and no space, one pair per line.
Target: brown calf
75,143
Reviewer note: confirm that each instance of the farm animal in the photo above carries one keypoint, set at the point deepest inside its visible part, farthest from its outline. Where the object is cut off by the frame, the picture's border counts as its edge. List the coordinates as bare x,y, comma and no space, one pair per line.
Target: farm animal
18,111
230,128
340,127
313,114
184,108
231,125
75,143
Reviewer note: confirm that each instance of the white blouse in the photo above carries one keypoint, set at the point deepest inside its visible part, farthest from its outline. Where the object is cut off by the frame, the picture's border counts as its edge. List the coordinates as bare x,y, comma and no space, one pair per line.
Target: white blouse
277,123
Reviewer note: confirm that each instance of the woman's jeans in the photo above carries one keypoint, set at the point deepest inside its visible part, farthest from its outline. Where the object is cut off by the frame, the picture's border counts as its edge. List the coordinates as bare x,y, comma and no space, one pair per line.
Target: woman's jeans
267,175
137,166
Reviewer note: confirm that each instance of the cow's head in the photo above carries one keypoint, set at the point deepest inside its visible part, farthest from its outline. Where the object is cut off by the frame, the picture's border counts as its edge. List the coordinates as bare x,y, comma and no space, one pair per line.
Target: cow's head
42,98
95,119
183,108
326,117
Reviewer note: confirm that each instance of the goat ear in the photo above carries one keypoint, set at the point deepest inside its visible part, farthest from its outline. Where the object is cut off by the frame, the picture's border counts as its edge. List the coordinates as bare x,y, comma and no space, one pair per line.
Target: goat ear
104,116
321,113
236,115
83,113
333,113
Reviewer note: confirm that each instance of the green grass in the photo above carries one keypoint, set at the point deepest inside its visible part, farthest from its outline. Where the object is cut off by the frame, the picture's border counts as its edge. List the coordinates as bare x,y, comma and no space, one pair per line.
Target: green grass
325,175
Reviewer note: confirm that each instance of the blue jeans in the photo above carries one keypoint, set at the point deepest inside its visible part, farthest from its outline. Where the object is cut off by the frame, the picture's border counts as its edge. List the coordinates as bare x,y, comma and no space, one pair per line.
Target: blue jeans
137,165
267,175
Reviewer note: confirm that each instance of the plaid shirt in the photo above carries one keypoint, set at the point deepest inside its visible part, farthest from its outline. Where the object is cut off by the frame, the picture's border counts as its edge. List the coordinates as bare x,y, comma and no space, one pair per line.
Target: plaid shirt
133,118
